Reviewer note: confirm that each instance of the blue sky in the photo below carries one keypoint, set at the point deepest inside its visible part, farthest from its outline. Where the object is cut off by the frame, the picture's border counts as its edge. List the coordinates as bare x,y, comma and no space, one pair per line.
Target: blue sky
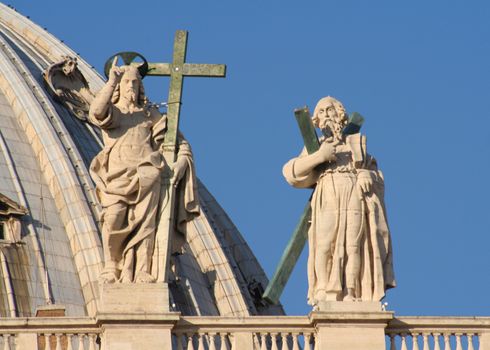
419,73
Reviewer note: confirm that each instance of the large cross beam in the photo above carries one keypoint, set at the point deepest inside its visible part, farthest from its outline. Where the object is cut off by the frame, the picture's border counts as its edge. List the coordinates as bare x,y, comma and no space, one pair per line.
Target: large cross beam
177,70
300,234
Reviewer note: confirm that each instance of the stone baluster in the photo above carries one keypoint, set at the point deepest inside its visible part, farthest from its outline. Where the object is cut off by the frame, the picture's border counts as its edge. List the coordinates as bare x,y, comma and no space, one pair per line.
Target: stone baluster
285,345
274,341
58,341
178,339
316,345
459,346
263,341
470,341
50,344
92,344
200,338
447,344
224,341
257,341
425,338
295,341
6,341
404,341
81,345
69,339
415,341
190,342
436,341
307,337
212,342
392,341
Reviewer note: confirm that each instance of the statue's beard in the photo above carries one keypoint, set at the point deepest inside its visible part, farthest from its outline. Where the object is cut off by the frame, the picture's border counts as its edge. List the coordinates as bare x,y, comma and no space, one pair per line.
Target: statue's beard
130,95
332,130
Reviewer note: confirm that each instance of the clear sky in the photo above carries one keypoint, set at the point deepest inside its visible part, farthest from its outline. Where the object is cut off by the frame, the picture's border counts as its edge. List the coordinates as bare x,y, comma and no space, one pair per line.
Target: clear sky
417,70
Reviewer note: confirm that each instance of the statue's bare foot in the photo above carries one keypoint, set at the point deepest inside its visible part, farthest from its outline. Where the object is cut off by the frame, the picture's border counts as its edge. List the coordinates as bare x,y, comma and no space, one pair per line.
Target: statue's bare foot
349,298
321,295
108,276
350,295
144,277
126,278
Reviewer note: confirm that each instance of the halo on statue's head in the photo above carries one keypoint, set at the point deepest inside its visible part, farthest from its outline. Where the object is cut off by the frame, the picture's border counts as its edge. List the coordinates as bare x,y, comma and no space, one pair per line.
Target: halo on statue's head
128,57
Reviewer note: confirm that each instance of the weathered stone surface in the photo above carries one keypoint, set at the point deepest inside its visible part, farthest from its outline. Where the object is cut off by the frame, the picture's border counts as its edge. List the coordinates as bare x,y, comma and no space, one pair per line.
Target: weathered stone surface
68,85
350,248
349,306
135,316
130,298
129,176
350,330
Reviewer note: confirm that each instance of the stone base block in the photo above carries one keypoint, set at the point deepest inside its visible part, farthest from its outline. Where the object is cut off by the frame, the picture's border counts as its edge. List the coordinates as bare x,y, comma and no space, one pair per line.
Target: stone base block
349,306
351,330
52,310
133,298
365,338
136,337
135,316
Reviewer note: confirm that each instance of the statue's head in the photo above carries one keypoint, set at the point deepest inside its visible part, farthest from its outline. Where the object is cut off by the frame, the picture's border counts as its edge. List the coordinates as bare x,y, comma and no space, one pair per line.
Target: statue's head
130,87
330,116
69,65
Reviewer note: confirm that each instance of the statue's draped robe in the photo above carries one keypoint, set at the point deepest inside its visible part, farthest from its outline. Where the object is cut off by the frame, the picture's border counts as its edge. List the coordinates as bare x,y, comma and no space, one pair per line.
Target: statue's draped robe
336,183
129,169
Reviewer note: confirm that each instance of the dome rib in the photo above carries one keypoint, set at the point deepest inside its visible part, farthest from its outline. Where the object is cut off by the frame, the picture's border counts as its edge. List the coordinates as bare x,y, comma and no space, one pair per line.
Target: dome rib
58,170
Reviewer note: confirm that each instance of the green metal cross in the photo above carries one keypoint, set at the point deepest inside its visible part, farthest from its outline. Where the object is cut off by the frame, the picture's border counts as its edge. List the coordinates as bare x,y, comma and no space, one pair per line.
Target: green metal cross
297,242
177,70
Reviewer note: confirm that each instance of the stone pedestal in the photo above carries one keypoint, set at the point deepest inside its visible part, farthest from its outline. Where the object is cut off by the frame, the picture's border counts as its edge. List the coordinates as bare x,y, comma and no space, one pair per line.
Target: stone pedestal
135,316
350,326
148,298
51,310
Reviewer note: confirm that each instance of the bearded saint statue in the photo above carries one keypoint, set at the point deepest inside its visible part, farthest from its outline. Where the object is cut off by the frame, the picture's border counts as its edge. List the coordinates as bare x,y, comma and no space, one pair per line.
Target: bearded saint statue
350,255
128,176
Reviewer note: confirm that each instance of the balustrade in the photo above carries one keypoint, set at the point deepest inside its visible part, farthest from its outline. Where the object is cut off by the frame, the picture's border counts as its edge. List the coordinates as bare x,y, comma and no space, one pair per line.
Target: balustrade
248,333
67,341
259,333
49,333
438,333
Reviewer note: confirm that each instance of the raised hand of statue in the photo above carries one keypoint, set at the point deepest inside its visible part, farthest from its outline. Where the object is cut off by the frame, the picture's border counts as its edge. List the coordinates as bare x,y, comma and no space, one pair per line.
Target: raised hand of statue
327,152
115,73
179,169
